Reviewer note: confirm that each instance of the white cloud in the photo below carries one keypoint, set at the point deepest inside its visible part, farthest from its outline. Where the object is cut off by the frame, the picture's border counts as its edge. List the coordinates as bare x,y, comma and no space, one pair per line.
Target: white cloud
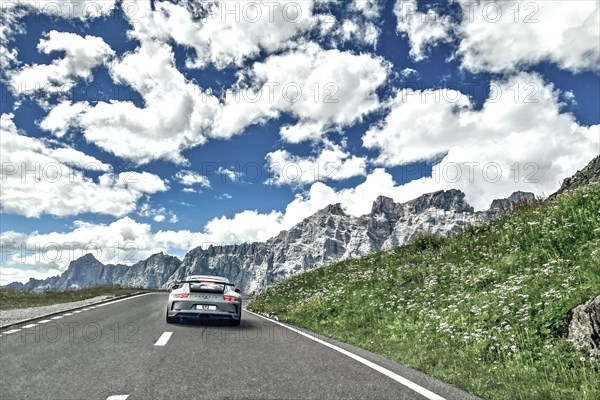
39,179
159,218
227,32
123,241
67,9
422,29
369,8
246,226
527,133
189,190
190,178
322,89
359,32
176,114
507,36
229,173
14,11
331,163
82,54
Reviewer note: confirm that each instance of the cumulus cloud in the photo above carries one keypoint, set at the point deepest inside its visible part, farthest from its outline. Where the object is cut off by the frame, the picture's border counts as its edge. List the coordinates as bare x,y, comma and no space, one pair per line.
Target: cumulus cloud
331,163
322,89
82,54
223,33
176,114
359,31
14,11
38,178
190,178
507,36
504,37
423,29
229,173
519,140
369,8
124,241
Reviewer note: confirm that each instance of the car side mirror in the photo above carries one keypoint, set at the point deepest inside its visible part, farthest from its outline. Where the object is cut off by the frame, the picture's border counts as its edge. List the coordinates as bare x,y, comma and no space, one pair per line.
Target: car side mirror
237,290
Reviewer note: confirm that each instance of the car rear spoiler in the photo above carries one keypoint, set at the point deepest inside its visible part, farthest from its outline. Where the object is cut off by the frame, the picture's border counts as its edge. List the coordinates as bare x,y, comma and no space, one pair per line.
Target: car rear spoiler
208,281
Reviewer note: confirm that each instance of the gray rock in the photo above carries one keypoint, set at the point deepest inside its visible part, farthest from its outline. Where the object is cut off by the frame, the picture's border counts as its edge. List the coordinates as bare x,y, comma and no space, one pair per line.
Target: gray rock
501,205
584,327
589,174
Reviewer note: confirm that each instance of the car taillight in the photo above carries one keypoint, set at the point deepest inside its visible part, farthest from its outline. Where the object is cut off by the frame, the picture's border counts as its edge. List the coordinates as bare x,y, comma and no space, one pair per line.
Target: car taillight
230,298
182,296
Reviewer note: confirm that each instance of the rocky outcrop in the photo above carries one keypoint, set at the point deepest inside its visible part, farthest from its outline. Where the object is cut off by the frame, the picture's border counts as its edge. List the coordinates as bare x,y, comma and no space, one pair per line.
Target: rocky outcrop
327,236
584,327
502,205
589,174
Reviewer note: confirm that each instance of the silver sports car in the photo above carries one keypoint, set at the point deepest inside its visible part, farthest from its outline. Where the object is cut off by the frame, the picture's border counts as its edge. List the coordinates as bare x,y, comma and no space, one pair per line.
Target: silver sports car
205,297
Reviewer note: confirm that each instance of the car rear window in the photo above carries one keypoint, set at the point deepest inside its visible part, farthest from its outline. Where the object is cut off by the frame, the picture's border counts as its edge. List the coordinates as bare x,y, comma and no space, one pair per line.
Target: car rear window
206,287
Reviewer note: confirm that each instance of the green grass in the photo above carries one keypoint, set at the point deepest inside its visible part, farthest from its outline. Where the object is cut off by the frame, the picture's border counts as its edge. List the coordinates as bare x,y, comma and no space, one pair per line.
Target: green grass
10,299
484,309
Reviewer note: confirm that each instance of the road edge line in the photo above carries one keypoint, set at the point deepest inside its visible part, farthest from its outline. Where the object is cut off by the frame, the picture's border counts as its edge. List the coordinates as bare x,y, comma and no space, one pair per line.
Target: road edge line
103,302
400,379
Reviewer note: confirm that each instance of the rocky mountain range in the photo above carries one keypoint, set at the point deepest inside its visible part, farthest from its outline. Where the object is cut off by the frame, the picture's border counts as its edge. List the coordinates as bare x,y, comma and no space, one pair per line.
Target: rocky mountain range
327,236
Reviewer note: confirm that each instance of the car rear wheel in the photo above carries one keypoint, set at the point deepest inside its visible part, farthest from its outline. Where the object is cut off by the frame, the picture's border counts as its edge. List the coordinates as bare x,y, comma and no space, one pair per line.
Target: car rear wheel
171,320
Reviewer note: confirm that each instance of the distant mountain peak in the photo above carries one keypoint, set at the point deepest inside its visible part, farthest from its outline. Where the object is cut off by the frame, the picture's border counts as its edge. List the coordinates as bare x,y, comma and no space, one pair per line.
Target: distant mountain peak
87,258
334,209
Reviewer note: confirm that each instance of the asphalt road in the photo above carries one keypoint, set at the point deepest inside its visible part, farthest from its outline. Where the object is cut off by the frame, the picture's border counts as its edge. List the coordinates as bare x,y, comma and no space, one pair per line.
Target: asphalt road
126,350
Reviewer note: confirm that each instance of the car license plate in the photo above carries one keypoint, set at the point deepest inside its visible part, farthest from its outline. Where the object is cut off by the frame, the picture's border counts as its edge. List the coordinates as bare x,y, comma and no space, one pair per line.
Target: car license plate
205,307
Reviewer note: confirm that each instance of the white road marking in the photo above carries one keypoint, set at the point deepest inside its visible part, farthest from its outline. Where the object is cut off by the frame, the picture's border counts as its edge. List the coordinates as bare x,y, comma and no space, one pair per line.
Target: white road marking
29,326
118,397
44,321
120,300
67,314
400,379
57,317
76,312
85,309
11,331
163,339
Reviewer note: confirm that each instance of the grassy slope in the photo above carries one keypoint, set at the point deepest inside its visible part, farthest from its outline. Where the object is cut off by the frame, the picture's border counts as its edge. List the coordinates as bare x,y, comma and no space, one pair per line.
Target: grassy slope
484,309
10,299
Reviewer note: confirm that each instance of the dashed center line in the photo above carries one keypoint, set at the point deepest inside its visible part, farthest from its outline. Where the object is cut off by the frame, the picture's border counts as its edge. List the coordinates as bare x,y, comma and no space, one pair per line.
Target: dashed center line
11,331
57,317
29,326
44,321
164,338
67,314
118,397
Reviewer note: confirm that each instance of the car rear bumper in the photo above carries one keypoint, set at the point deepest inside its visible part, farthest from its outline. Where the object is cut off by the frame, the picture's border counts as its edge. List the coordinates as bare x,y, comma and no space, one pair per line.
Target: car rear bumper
187,309
202,314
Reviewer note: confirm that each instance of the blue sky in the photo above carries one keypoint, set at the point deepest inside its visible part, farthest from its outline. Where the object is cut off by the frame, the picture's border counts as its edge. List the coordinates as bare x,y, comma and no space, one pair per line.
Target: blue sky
179,124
